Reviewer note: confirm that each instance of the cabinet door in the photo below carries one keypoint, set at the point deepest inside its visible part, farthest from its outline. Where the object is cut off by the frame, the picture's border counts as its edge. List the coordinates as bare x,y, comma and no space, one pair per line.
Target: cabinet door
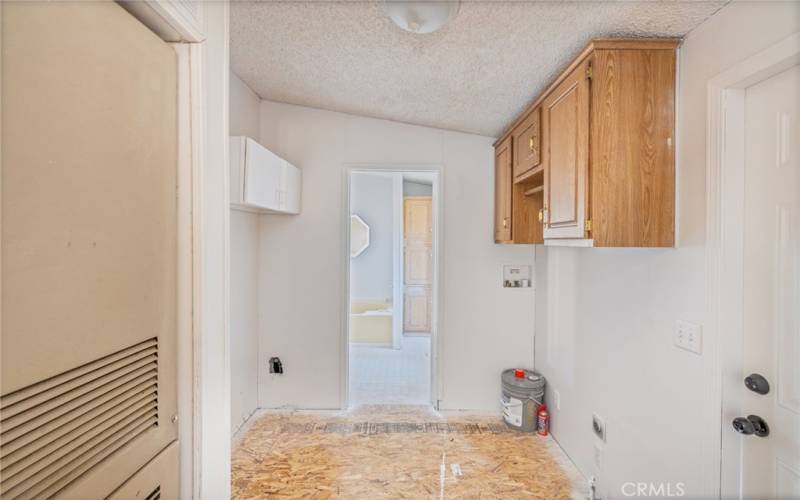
526,141
263,177
565,120
502,192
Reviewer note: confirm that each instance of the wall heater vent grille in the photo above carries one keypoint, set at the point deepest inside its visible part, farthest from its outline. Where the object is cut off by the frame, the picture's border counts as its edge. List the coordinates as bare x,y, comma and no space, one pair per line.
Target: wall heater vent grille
155,495
54,431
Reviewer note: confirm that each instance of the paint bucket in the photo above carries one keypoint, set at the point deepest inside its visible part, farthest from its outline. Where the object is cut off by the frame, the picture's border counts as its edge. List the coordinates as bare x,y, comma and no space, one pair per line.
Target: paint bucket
521,398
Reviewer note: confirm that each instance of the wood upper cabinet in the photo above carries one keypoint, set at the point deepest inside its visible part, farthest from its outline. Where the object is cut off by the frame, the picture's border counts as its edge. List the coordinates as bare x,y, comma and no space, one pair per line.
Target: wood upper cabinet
526,139
606,163
632,157
502,192
566,128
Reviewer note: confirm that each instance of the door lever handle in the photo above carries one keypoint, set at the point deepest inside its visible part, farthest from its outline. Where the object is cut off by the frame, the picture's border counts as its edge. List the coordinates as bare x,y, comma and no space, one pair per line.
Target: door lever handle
753,424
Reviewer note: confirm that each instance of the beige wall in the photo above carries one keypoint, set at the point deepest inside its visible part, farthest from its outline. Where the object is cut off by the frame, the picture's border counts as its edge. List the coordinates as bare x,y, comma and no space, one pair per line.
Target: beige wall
485,328
244,118
605,317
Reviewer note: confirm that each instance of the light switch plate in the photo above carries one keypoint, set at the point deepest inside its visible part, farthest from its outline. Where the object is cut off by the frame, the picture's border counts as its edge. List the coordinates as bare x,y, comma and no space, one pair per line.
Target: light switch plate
557,399
689,336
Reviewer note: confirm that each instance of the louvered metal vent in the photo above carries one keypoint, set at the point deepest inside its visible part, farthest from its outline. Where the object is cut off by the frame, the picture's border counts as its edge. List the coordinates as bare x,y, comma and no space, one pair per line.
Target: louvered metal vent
54,431
155,495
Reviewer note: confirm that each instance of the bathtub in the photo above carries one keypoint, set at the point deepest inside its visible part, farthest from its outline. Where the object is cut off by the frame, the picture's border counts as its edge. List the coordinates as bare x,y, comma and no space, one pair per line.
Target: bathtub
371,322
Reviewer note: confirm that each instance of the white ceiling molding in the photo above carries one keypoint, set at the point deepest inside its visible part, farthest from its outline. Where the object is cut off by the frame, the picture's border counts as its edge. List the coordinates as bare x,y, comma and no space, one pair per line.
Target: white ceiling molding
475,74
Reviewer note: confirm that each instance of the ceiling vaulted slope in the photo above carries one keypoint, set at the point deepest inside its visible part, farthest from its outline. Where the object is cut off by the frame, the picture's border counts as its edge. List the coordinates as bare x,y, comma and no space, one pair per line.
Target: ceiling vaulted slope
474,75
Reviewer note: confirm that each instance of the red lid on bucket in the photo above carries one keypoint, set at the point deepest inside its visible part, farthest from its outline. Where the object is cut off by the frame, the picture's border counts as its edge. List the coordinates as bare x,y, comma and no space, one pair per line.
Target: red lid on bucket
519,373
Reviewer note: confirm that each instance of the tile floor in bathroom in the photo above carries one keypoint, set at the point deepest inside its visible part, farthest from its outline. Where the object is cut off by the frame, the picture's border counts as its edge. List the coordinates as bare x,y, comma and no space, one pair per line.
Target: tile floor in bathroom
382,375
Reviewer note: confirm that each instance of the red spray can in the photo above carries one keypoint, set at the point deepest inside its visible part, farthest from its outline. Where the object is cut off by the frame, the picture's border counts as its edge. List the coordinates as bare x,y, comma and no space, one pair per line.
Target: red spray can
543,419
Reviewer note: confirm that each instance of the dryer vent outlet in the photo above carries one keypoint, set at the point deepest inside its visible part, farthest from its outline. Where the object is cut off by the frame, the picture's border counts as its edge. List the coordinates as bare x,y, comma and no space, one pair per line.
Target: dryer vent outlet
598,427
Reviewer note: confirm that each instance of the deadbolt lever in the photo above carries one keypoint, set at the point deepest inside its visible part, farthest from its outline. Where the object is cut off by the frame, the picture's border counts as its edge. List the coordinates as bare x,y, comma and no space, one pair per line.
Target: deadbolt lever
756,383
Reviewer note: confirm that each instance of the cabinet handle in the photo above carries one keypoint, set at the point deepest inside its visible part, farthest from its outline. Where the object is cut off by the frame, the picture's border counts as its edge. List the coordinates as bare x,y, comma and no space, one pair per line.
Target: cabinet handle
530,142
505,222
541,215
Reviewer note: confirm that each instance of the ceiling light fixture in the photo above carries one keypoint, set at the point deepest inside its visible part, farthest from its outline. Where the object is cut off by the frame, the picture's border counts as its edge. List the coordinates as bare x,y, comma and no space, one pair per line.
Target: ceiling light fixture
421,17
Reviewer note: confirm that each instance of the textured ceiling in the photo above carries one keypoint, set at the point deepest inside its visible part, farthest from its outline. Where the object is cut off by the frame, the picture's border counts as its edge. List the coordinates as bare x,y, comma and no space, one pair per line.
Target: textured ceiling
474,75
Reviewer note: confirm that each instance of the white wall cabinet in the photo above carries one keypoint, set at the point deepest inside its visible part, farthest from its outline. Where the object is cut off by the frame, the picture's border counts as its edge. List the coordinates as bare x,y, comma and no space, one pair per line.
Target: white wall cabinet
262,181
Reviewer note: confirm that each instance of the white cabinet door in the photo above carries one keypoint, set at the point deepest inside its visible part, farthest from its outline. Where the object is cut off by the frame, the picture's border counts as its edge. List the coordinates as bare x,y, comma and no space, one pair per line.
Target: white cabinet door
263,181
292,181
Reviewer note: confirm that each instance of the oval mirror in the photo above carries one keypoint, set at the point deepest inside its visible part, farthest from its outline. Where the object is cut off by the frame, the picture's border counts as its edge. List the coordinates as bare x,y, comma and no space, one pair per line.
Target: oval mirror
359,236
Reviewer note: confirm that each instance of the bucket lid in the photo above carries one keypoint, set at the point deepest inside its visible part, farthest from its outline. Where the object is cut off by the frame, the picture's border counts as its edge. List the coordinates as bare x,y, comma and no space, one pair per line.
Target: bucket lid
531,380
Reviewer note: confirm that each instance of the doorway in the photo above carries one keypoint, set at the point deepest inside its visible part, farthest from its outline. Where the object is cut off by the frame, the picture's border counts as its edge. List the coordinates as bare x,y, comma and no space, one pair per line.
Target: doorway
754,248
391,286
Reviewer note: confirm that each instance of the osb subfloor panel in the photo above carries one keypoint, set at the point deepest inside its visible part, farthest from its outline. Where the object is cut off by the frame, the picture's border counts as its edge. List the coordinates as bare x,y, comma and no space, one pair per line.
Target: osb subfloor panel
393,452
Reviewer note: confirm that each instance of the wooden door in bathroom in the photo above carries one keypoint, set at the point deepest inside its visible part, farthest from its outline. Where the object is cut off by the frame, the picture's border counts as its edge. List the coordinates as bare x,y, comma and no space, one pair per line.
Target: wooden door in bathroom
417,263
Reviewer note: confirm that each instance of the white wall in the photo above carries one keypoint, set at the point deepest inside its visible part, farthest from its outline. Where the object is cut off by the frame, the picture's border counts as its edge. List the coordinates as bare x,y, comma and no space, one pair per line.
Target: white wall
605,317
485,328
244,120
372,199
245,115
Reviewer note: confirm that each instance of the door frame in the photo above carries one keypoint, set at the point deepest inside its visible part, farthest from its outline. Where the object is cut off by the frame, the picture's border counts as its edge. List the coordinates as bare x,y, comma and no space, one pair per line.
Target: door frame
200,38
724,255
398,221
438,231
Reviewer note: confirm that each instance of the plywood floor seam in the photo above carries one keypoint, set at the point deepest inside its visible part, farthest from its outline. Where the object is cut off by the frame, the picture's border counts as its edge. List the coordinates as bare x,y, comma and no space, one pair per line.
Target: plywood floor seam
393,452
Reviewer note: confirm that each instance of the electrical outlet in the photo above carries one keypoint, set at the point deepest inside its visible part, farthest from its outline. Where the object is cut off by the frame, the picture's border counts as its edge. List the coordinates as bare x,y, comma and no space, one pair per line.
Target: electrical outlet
598,427
275,365
557,399
689,336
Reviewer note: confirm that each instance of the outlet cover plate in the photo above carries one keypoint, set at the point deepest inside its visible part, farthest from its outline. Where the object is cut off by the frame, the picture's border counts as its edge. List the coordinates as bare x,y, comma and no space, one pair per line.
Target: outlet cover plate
689,336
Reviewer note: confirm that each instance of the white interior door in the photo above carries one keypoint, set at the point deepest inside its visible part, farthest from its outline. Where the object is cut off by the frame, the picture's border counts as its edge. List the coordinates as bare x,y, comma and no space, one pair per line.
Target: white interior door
770,465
